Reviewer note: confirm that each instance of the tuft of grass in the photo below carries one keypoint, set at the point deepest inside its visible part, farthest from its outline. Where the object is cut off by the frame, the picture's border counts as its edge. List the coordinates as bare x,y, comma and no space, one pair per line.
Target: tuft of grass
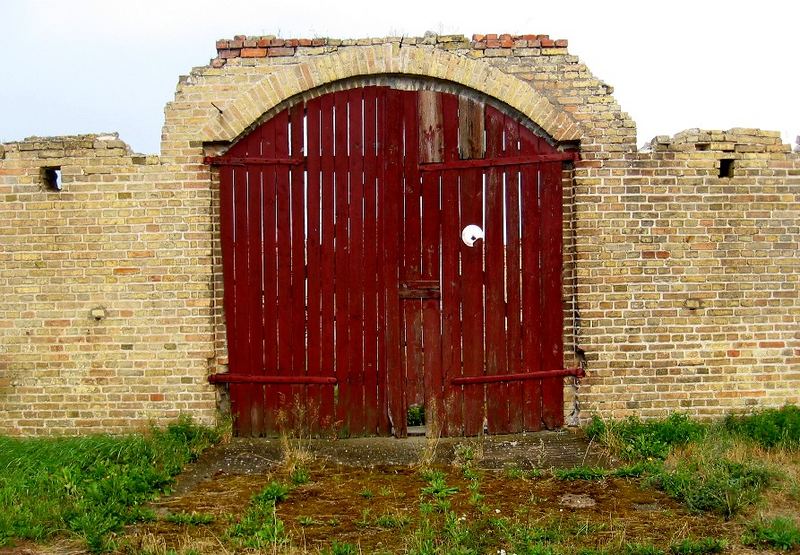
769,428
300,475
190,519
704,482
367,494
438,488
780,532
274,492
90,486
392,520
633,439
337,548
699,546
305,520
641,549
580,473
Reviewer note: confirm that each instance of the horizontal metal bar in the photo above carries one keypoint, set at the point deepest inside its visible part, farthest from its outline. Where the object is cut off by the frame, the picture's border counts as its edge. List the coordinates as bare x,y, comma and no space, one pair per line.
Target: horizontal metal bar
254,160
471,380
249,378
494,162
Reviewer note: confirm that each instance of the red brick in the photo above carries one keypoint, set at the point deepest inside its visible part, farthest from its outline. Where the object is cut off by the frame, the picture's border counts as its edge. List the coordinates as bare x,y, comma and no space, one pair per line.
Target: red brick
235,44
254,52
249,43
222,44
304,42
277,42
230,53
562,43
126,271
156,396
492,43
771,344
273,51
292,42
547,43
262,43
319,42
478,38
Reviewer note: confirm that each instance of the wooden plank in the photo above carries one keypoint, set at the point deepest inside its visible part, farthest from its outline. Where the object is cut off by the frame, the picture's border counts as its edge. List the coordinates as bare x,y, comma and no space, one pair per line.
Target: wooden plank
298,403
470,128
430,307
327,406
431,137
281,395
356,261
531,296
392,209
255,295
512,265
241,340
370,271
382,261
341,260
314,266
271,379
552,307
495,162
471,202
270,270
494,279
412,254
227,219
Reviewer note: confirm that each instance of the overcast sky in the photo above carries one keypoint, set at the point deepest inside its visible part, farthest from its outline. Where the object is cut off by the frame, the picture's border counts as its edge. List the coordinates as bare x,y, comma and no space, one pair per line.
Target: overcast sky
83,66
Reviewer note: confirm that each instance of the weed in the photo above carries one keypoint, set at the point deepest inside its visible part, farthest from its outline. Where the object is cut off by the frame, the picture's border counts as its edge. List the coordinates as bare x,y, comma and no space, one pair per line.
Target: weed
641,549
367,494
580,473
514,472
300,476
337,548
633,439
305,520
190,519
260,526
780,532
92,485
274,492
769,428
636,470
416,415
438,488
705,482
392,520
700,546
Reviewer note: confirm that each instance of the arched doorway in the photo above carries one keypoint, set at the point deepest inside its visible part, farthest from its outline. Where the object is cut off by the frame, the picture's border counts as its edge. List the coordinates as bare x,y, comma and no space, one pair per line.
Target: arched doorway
385,250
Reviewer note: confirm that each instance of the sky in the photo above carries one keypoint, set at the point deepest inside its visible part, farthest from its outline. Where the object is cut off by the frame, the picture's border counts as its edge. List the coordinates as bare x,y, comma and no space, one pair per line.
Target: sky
91,66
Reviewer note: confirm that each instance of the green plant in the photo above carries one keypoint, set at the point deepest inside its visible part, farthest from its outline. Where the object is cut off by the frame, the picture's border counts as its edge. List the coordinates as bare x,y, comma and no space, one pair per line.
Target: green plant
641,549
300,475
392,520
714,484
438,488
580,473
634,439
514,472
416,415
191,519
337,548
699,546
305,520
769,428
260,526
274,492
367,494
779,532
90,486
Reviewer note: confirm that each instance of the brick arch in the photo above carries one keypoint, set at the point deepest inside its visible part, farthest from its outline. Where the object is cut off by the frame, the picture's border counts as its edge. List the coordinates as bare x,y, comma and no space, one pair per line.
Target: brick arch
316,71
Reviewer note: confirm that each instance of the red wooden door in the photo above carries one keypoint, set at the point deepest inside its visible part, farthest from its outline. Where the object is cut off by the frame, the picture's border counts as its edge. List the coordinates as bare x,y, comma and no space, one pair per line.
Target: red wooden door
349,293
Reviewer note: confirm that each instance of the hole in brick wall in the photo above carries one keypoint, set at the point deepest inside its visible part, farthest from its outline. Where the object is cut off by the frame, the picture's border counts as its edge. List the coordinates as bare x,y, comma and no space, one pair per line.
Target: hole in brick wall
51,178
702,146
726,167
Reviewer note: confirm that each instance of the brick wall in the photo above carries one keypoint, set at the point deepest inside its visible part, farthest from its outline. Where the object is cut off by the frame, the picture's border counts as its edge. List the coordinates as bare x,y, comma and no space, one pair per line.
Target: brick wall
680,286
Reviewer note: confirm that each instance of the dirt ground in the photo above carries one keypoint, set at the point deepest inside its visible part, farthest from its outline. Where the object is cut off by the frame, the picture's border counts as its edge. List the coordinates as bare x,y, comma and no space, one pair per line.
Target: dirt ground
353,483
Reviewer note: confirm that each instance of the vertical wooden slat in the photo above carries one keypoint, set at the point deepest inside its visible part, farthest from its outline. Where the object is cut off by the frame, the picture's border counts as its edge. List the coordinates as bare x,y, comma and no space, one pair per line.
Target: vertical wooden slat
512,265
297,393
430,307
451,397
282,393
472,300
531,296
470,128
412,239
328,352
314,270
383,261
227,220
494,280
552,309
242,337
392,209
356,261
269,264
341,261
430,135
254,285
370,272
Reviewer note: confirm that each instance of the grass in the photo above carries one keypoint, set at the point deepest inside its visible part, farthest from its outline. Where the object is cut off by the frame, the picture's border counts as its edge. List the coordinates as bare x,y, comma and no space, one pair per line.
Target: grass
779,532
90,486
580,473
260,526
190,519
700,546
